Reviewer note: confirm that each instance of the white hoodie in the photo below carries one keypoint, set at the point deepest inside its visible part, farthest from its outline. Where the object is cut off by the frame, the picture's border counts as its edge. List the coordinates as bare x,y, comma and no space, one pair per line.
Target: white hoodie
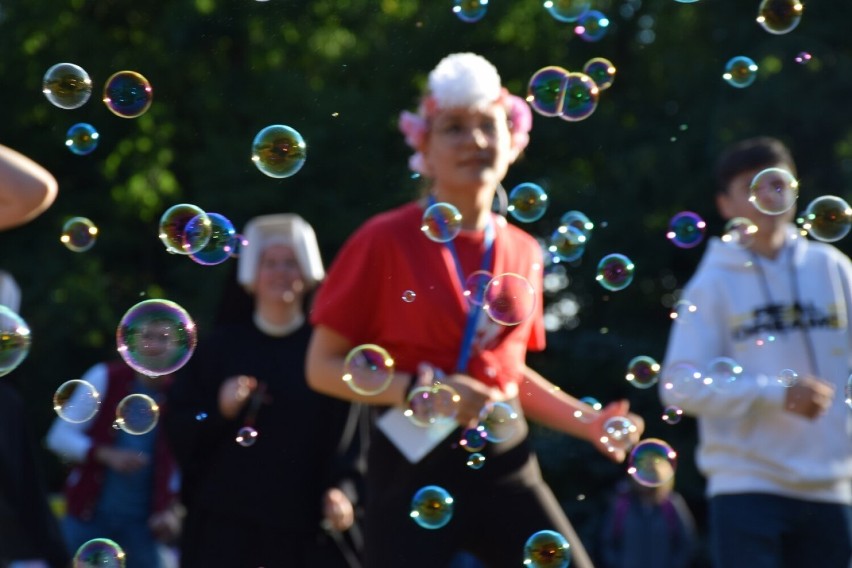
744,310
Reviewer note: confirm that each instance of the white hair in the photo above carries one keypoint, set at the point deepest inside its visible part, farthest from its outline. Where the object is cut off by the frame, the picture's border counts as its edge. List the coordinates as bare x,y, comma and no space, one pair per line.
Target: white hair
464,80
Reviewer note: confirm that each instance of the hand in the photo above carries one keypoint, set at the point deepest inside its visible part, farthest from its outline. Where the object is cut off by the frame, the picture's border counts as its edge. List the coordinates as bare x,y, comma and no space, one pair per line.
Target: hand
473,396
234,393
596,428
166,524
809,397
337,511
121,460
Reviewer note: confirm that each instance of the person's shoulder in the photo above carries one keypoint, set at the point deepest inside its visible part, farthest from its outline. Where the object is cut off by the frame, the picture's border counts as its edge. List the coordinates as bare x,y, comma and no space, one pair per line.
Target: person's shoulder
515,234
393,219
818,249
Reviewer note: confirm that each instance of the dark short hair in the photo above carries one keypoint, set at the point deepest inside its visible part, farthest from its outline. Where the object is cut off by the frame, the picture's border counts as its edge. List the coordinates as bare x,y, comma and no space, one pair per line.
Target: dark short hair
751,154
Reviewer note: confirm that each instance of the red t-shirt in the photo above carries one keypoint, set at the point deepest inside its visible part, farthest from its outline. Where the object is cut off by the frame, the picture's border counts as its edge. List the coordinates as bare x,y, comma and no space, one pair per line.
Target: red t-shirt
362,296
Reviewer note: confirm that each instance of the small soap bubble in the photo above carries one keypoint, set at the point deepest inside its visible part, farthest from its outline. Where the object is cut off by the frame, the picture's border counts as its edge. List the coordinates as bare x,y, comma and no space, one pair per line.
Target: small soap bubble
475,461
567,243
67,86
368,369
686,230
278,151
409,296
527,202
432,507
682,379
779,16
682,311
238,243
617,433
470,10
185,229
615,272
849,392
593,402
739,231
581,97
509,299
723,373
764,338
773,191
578,220
14,340
652,463
500,421
137,414
99,553
473,439
803,57
740,71
81,138
246,436
156,337
76,401
567,10
128,94
602,72
475,285
441,222
787,378
547,549
79,234
643,372
828,218
546,90
592,26
201,417
220,244
432,404
672,415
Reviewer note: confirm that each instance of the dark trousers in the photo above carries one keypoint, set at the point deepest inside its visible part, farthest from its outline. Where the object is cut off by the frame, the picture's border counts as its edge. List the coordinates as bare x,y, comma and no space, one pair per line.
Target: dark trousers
757,530
496,508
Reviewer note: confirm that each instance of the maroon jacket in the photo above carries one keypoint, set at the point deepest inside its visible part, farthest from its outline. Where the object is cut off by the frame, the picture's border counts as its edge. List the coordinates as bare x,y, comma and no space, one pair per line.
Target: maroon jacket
85,481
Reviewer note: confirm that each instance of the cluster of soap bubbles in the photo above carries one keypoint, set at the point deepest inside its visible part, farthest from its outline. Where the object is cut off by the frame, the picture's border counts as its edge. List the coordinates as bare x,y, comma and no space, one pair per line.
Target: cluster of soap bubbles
568,242
589,25
776,17
432,508
127,94
554,91
206,238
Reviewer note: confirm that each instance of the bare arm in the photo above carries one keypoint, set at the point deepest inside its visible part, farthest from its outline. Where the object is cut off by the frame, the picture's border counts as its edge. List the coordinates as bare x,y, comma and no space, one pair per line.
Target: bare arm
546,404
26,188
324,370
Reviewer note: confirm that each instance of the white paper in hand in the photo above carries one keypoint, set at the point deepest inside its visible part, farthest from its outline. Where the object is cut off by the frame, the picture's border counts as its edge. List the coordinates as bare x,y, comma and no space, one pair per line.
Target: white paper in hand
413,441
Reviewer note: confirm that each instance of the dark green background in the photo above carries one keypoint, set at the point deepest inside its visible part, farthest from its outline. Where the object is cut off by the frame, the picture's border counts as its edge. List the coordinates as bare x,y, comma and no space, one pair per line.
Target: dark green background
339,71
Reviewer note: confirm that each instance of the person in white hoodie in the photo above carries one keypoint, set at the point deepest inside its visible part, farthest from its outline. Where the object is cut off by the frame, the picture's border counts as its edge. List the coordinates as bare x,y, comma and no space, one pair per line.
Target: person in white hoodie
761,356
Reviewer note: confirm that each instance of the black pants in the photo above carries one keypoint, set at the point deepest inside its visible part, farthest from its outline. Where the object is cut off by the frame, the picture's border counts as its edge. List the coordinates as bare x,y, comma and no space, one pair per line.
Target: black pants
496,508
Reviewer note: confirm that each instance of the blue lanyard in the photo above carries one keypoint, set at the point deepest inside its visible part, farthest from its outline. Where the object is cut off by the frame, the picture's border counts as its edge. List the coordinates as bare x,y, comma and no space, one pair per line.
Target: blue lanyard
473,312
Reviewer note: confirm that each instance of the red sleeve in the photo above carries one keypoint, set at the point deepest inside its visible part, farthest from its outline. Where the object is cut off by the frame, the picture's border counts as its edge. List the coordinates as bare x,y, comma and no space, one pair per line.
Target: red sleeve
347,301
536,341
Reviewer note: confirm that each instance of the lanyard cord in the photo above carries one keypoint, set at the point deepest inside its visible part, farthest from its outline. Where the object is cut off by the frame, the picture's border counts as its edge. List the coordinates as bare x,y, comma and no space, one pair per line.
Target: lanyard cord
797,306
474,307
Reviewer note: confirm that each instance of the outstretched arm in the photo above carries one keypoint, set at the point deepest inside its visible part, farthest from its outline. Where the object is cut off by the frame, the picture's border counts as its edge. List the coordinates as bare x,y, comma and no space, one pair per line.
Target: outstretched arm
546,404
26,188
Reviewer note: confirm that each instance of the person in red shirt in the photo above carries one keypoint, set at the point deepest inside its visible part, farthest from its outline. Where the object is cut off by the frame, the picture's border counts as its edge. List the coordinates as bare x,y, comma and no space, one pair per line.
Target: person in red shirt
392,286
